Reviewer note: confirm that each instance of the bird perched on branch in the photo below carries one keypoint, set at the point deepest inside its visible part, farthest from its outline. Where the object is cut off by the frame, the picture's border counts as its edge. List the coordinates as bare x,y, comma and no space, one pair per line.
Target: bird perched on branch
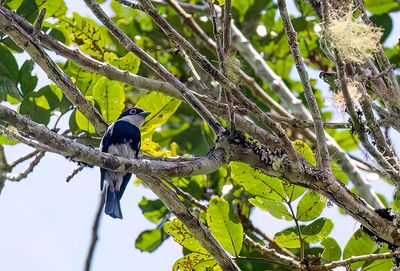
121,138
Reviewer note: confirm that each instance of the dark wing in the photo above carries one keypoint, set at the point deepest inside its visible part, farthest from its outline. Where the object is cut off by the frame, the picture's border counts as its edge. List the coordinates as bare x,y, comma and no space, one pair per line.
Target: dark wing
105,142
124,184
124,132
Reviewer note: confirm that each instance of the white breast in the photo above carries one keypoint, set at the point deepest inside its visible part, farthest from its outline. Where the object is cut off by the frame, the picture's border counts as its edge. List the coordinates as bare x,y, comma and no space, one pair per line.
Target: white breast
123,150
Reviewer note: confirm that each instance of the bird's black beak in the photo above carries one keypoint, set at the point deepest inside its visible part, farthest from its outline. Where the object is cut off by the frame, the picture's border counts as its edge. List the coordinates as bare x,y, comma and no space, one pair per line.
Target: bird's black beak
144,114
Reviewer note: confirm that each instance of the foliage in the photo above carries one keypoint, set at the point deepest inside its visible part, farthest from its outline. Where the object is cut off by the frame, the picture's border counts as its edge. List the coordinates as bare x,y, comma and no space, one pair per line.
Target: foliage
175,129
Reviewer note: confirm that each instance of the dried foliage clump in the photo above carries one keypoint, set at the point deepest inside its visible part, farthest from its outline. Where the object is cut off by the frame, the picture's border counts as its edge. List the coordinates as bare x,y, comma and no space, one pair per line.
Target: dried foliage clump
353,40
355,95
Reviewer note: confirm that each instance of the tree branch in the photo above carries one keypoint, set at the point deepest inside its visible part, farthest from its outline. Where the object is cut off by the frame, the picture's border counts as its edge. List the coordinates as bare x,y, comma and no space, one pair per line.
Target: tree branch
175,206
58,144
23,39
323,158
95,228
156,66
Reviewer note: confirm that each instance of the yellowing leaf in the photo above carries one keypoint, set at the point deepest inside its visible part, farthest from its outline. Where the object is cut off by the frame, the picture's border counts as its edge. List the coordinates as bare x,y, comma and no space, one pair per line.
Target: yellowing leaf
304,150
161,107
183,236
85,33
129,62
196,262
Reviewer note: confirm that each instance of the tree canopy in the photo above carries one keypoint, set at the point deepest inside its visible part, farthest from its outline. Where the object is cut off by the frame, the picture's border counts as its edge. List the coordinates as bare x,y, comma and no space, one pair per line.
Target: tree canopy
236,122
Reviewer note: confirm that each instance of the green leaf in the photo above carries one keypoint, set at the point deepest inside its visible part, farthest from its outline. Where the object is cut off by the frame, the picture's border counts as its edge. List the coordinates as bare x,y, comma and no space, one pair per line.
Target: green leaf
54,8
161,107
153,210
110,96
385,22
225,225
8,74
129,62
359,244
196,262
256,182
293,191
85,33
7,141
312,233
305,151
310,206
26,80
276,209
83,123
82,78
29,10
332,251
318,230
150,240
183,236
381,6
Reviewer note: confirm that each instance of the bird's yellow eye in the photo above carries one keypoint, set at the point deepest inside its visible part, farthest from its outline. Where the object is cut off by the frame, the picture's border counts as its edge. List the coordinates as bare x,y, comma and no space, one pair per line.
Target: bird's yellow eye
132,111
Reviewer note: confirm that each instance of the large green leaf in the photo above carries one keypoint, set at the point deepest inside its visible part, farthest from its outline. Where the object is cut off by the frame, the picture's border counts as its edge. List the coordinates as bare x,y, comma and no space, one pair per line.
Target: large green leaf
150,240
225,225
381,6
81,77
332,251
8,75
26,79
162,107
54,8
310,206
153,210
312,233
183,236
110,96
275,208
256,182
360,243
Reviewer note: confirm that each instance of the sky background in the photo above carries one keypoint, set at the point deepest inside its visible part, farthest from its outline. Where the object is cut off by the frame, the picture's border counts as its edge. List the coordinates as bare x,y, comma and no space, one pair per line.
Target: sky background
45,223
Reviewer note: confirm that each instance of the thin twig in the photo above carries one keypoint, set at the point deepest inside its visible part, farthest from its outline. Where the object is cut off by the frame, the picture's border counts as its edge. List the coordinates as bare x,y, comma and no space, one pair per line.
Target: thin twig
323,158
23,158
95,228
354,259
74,173
38,26
22,175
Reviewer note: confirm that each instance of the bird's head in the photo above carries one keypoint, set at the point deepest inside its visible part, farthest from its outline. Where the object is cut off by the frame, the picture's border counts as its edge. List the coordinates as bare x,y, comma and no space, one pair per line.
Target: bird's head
134,116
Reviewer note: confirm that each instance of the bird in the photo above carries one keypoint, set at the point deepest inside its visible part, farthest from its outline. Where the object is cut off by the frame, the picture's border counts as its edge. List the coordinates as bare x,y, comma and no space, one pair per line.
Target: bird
122,138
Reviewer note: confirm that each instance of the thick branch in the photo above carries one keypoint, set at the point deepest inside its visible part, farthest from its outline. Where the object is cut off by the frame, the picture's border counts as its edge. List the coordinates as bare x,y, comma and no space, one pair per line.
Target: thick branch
78,152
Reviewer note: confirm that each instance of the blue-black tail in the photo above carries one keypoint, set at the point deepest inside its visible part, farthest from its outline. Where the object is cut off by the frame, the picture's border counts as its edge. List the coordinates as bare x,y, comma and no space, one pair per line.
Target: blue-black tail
113,207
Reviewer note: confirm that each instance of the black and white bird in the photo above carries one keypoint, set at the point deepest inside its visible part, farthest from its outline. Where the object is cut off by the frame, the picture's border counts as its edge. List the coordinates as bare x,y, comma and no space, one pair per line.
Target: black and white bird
121,138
